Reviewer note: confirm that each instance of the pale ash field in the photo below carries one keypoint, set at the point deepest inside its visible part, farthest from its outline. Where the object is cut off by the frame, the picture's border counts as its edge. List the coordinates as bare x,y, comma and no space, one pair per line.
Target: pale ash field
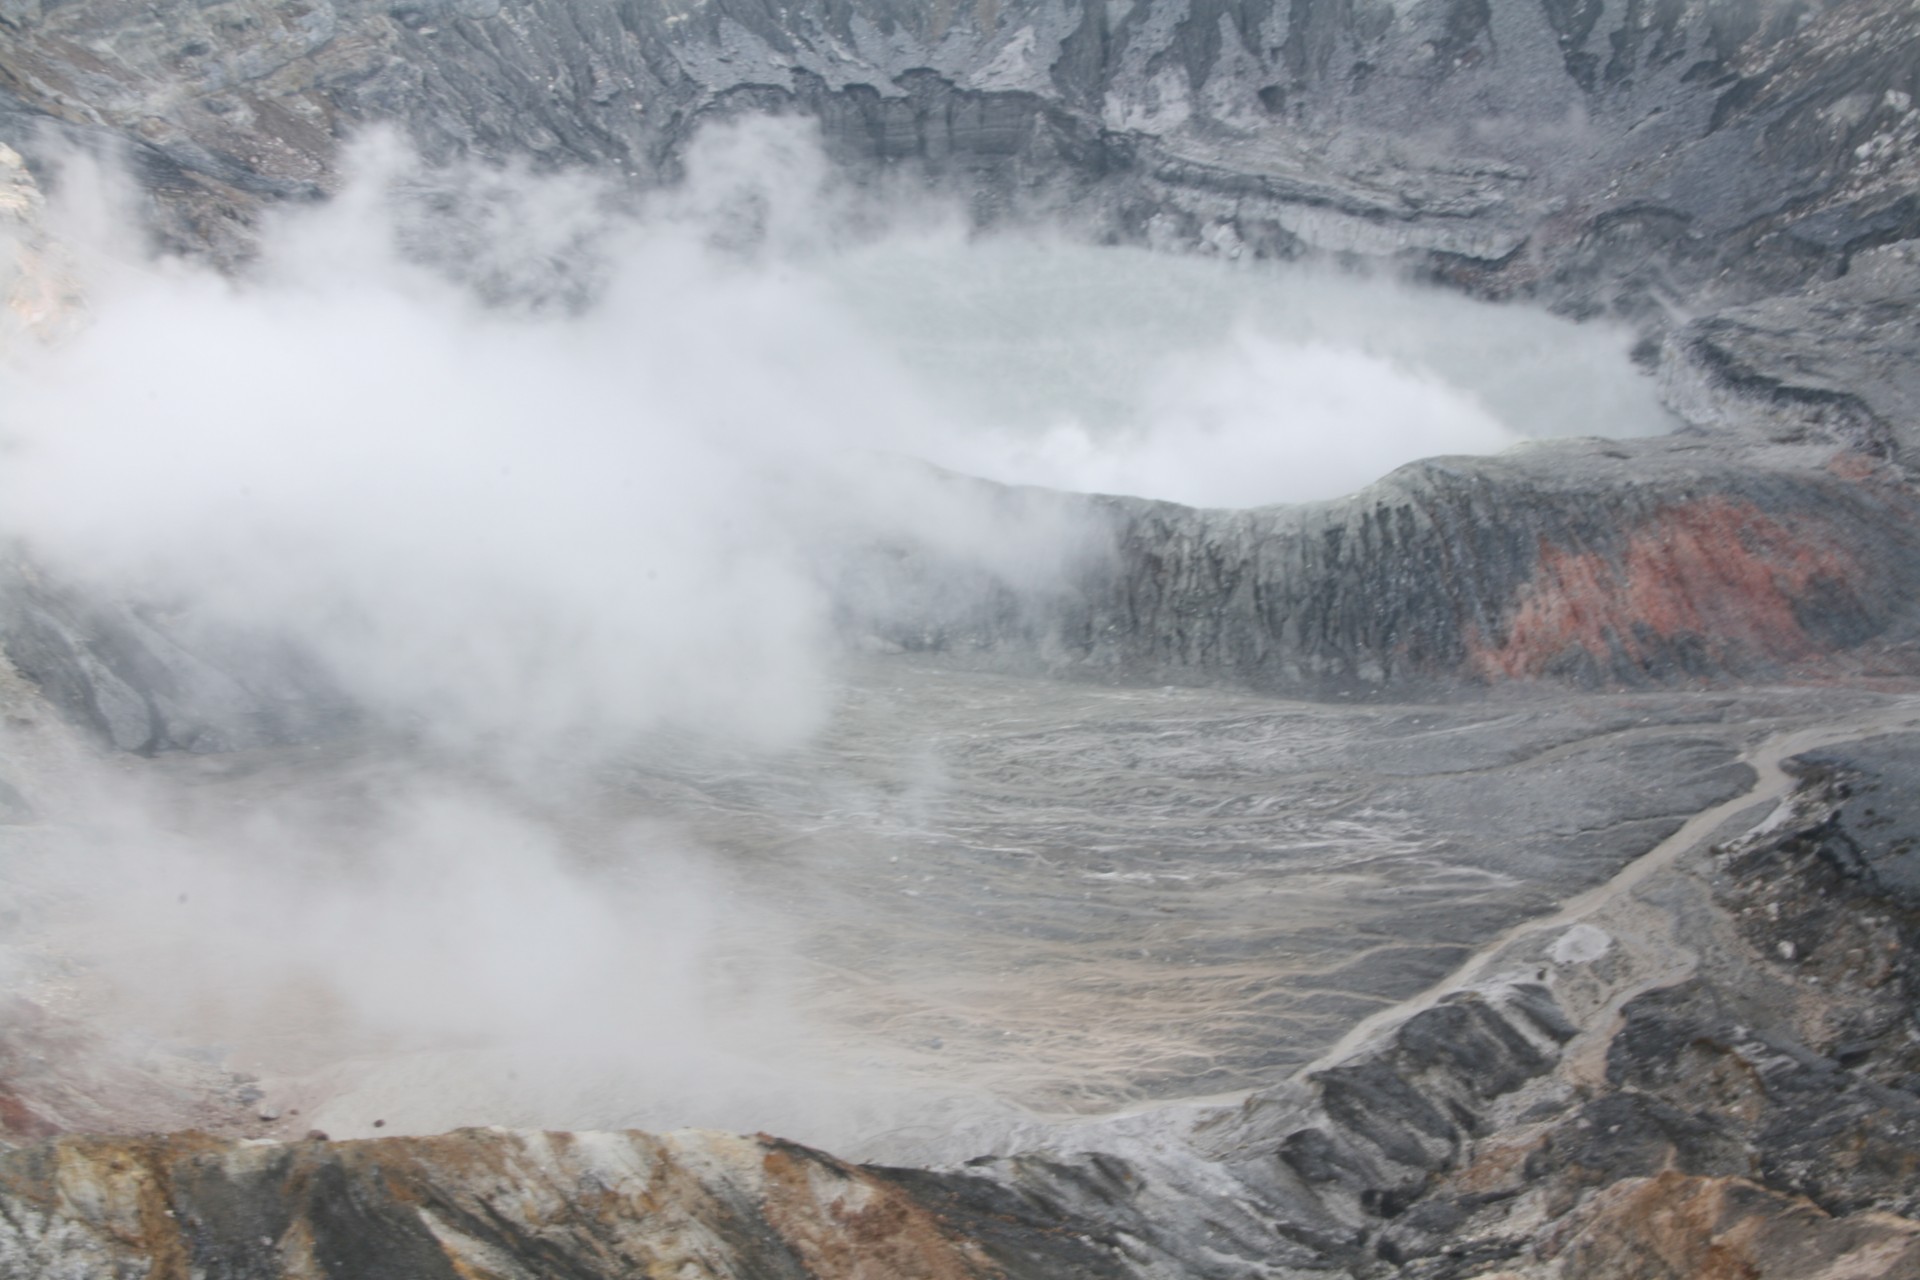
975,904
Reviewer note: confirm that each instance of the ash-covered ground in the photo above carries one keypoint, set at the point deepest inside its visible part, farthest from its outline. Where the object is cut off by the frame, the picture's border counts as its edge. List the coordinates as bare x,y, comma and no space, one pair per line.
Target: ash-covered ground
971,905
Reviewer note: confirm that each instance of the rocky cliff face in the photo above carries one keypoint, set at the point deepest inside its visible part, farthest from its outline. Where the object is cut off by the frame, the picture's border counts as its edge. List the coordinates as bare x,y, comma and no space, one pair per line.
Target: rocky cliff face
1589,151
144,681
493,1203
1594,563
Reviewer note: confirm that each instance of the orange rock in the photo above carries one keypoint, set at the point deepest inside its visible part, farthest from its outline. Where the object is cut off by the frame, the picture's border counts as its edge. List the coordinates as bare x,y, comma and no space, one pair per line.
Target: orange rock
1717,572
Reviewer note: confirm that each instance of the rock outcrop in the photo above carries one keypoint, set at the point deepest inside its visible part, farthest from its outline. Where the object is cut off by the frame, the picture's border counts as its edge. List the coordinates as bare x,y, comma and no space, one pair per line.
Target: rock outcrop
145,681
36,295
1835,361
487,1203
1760,1117
1588,562
1600,154
507,1204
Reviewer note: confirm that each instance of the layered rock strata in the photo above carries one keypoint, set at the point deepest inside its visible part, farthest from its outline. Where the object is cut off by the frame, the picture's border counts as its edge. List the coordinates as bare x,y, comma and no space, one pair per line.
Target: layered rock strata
1601,153
1594,563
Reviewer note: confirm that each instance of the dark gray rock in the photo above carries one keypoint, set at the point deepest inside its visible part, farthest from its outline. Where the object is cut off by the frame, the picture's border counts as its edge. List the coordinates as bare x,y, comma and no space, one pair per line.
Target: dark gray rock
1757,1103
1871,843
1611,156
1836,362
1585,562
145,681
1778,1070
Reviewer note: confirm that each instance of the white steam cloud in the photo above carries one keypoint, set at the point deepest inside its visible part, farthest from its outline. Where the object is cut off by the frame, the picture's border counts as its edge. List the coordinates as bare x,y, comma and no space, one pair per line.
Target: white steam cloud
498,521
595,504
1222,384
532,470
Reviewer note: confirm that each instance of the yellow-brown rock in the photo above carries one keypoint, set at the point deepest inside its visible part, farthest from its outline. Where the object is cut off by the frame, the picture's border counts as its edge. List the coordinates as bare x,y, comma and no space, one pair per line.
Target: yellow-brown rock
471,1205
1675,1227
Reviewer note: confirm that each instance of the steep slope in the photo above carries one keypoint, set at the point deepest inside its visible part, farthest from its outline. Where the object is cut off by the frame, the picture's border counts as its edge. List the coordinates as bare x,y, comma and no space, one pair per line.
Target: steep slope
1596,563
1584,150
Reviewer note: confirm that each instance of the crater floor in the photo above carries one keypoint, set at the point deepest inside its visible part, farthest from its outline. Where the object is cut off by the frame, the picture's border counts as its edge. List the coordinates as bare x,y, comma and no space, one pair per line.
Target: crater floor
975,904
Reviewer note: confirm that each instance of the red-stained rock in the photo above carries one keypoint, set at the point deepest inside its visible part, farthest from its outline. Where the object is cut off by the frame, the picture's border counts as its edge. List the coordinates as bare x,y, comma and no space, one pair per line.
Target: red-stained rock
1718,574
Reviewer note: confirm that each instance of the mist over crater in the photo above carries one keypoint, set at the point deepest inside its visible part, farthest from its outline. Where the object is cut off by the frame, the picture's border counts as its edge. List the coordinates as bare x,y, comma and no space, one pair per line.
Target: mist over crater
1231,640
1219,382
610,477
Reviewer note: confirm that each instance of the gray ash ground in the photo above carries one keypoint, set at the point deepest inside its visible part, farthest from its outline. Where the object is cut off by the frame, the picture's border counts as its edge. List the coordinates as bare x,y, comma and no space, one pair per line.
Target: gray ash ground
1002,900
1092,897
